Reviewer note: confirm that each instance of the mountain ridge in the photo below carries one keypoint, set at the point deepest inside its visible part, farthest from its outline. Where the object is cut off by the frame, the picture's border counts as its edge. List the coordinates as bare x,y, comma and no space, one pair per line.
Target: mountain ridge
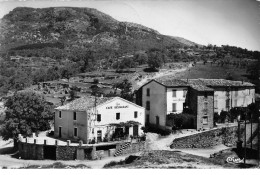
78,26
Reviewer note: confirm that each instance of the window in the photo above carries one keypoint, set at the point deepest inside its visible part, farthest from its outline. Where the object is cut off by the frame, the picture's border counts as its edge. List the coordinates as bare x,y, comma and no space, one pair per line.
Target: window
216,104
148,105
117,116
184,93
236,92
227,103
75,132
205,120
59,114
136,114
205,108
174,107
148,92
99,117
174,93
235,102
147,118
74,116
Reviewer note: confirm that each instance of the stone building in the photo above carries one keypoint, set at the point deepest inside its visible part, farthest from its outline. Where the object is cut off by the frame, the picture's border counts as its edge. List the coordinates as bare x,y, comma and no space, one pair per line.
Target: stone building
202,96
98,119
200,100
227,93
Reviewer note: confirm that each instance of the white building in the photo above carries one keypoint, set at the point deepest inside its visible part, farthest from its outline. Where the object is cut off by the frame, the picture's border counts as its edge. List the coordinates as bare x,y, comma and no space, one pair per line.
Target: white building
203,97
161,98
101,119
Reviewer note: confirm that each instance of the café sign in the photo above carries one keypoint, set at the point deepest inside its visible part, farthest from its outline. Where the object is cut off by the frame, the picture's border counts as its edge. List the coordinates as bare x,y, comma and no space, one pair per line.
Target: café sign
117,106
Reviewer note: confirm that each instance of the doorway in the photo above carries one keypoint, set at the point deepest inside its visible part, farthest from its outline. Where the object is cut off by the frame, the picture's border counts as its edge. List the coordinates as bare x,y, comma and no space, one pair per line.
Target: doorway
59,131
127,130
119,132
49,152
157,121
135,130
99,136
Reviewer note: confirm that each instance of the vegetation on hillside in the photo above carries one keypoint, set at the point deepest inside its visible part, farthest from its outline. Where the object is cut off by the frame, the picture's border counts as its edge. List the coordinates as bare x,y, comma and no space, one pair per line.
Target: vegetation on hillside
26,112
52,43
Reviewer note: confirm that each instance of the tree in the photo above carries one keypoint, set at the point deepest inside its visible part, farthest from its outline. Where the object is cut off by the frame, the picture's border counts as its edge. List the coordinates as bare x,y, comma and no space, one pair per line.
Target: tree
126,91
72,94
26,112
19,81
254,70
155,59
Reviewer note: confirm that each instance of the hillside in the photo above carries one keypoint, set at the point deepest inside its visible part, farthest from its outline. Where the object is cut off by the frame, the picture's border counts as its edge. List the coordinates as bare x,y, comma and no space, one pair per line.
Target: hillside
68,27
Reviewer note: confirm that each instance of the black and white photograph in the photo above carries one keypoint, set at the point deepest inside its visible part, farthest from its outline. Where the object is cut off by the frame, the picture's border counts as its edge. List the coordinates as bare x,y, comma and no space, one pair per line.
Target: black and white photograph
130,84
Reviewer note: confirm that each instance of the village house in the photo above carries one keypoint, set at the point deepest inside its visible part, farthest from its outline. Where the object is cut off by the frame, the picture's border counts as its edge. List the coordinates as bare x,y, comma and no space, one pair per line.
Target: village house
201,96
228,94
93,119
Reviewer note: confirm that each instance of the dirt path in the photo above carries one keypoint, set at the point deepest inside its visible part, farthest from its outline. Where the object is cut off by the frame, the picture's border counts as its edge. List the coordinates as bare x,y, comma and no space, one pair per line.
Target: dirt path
203,152
159,75
156,142
9,162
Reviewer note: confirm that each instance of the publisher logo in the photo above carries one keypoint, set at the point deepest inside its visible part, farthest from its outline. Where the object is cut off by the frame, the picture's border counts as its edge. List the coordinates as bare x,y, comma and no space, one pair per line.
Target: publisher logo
234,160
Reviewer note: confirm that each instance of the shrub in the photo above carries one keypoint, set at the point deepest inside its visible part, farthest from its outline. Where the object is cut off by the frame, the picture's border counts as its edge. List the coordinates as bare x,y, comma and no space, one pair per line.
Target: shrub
114,163
95,81
158,130
181,121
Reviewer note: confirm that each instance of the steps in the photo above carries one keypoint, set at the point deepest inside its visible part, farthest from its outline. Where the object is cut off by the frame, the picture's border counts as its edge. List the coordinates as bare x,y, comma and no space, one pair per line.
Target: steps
120,150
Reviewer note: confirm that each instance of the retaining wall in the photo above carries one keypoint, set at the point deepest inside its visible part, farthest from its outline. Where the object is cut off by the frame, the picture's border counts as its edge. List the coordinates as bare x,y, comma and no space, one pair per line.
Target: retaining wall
35,151
31,151
66,152
226,136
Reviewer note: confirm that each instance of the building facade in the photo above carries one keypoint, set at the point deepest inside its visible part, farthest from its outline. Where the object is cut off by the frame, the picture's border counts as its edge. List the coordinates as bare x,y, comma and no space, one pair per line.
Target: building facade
202,97
98,119
228,94
160,98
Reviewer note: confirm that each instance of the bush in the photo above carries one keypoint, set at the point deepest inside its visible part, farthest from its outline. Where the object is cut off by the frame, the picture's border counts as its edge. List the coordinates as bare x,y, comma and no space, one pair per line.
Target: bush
181,121
95,81
157,130
114,163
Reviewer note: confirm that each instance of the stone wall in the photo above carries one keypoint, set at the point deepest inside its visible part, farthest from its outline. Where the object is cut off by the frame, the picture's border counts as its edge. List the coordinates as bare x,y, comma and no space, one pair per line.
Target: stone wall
226,136
66,152
36,151
31,151
133,148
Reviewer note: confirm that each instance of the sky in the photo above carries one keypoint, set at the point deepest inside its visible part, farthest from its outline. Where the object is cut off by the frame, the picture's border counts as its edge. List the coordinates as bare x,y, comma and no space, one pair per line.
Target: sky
220,22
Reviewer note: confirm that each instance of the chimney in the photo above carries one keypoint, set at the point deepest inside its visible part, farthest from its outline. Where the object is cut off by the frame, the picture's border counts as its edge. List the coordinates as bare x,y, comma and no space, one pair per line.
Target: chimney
242,81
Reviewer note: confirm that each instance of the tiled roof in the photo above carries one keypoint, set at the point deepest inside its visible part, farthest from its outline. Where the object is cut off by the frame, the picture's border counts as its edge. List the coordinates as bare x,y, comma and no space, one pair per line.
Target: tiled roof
219,82
172,82
83,103
201,87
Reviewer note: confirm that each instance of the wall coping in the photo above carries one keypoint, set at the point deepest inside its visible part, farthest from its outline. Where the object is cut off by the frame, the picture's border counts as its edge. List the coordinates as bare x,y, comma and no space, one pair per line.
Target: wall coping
41,141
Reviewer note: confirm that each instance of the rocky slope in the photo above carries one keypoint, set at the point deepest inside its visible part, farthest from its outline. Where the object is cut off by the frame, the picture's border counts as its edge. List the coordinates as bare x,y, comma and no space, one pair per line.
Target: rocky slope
67,27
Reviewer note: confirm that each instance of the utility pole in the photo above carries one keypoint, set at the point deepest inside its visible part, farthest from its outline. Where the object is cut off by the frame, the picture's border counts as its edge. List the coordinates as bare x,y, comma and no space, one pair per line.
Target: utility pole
251,131
259,140
245,142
